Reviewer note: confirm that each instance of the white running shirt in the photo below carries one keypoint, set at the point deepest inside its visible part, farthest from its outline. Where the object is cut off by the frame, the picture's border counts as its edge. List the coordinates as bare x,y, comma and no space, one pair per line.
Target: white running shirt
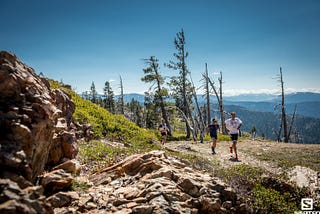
233,125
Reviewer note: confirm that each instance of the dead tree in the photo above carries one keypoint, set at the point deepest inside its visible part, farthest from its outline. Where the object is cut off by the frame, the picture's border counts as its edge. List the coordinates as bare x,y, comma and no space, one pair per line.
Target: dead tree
220,101
283,111
221,108
202,125
121,97
284,122
207,91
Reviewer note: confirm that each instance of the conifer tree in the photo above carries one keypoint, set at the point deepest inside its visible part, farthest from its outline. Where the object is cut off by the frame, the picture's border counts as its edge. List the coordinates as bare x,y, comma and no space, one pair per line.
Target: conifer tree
152,75
108,97
151,111
134,112
93,93
181,87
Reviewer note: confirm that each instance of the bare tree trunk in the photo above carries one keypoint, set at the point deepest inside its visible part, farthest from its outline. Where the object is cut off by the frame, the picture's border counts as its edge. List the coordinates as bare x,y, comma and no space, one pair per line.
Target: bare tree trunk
208,96
292,120
221,108
219,99
121,97
186,119
165,115
283,115
202,126
186,106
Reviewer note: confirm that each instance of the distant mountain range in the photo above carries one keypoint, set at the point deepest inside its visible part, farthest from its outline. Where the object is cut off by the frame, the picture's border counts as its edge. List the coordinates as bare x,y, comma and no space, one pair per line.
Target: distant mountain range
297,97
308,104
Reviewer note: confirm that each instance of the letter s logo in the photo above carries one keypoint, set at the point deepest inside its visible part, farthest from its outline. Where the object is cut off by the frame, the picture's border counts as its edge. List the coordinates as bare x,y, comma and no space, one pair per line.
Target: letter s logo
306,204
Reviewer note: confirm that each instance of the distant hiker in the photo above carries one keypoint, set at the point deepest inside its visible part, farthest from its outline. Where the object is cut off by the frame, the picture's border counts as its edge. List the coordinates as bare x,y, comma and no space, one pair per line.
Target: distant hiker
164,131
213,130
233,126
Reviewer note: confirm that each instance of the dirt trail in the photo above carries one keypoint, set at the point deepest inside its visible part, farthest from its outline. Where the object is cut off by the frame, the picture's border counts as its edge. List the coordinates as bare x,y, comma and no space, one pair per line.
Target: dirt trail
223,156
249,150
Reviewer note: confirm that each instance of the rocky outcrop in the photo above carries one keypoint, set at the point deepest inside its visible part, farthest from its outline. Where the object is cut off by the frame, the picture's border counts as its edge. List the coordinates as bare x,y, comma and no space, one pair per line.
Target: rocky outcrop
155,183
36,126
33,121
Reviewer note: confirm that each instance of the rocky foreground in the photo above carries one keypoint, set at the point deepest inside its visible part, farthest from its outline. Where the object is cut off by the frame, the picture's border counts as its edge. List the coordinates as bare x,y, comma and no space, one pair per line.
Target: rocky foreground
156,183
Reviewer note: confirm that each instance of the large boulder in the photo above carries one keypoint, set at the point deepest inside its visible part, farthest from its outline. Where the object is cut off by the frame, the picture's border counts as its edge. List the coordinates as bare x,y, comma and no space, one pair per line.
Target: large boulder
36,134
34,121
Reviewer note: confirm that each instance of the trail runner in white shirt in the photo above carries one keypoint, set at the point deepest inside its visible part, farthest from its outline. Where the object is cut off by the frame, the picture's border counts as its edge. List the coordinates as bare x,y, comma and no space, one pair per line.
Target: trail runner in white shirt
233,126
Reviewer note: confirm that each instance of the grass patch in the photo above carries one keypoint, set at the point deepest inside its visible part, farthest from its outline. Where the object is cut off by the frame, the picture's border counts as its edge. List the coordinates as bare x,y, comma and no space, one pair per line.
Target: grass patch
97,154
80,186
288,155
241,177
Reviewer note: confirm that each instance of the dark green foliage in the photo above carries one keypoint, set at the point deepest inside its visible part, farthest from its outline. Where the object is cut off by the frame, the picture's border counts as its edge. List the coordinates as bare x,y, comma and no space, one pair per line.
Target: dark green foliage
105,124
135,112
157,93
93,93
108,101
267,200
152,112
241,177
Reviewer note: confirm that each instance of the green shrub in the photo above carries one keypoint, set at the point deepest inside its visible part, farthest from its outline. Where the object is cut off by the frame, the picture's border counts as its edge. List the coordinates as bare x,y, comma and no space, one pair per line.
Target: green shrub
79,186
271,201
222,137
242,173
105,124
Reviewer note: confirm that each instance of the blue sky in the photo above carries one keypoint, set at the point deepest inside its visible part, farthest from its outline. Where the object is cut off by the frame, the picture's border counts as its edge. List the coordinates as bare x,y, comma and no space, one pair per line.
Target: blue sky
80,41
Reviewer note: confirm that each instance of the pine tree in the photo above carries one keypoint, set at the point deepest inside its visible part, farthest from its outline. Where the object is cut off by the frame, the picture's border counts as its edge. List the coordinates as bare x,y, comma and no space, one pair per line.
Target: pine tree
152,75
93,93
181,87
152,113
135,112
108,101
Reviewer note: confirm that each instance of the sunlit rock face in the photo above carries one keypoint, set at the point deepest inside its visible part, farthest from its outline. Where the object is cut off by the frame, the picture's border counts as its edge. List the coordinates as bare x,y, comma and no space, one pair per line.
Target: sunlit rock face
34,120
36,130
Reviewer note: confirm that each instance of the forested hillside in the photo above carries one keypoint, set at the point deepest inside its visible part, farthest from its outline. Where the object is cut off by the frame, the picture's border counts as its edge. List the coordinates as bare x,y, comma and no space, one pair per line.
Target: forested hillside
308,108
